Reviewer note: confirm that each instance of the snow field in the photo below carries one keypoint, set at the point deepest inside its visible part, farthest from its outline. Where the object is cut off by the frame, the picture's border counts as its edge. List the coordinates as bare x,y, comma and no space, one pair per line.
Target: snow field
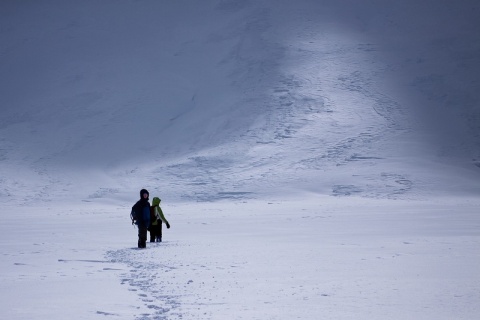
279,259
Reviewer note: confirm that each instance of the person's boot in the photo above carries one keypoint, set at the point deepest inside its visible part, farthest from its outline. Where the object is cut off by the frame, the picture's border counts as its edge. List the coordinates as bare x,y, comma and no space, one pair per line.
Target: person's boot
159,239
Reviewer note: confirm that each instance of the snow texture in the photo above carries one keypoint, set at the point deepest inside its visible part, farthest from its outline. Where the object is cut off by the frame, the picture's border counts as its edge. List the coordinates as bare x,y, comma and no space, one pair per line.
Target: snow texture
316,159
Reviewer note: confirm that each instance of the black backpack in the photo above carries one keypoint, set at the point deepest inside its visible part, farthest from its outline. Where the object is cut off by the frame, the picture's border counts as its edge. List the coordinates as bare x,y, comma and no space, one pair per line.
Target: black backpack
133,216
153,217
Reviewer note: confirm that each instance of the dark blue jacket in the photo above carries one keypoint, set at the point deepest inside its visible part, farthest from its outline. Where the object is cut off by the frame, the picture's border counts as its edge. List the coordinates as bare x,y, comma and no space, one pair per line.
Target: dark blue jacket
142,209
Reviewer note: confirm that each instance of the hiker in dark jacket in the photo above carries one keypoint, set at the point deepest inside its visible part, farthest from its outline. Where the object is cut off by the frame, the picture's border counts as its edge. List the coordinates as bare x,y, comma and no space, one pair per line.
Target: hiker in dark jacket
142,210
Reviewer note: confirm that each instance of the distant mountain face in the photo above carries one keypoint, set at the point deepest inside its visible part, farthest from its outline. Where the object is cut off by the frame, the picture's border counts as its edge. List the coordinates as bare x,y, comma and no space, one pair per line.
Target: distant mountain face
231,99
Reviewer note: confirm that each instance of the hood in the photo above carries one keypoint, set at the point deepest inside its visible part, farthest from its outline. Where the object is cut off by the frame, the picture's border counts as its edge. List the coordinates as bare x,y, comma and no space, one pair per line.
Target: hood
156,201
142,192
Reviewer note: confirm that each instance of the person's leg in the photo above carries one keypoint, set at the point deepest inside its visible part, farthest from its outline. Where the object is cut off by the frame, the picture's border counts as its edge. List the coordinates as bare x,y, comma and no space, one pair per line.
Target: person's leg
152,233
139,238
159,231
142,237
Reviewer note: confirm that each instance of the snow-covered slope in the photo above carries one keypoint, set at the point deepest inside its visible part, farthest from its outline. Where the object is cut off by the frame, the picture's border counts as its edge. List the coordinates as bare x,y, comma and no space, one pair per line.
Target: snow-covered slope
221,98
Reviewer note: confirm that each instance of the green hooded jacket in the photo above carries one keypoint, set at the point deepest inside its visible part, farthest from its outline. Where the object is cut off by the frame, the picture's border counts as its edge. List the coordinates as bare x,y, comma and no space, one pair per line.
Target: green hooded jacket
158,211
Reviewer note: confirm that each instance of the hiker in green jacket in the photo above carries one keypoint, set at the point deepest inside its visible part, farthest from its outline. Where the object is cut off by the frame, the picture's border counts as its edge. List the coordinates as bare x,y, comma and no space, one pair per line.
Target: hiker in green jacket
157,217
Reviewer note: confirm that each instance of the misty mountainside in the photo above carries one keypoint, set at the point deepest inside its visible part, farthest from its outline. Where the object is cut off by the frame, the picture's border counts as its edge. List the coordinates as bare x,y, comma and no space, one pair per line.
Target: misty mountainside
222,99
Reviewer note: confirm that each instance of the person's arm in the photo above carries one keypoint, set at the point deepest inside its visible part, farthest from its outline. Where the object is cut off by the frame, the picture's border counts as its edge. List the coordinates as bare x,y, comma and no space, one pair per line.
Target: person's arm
146,215
160,216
